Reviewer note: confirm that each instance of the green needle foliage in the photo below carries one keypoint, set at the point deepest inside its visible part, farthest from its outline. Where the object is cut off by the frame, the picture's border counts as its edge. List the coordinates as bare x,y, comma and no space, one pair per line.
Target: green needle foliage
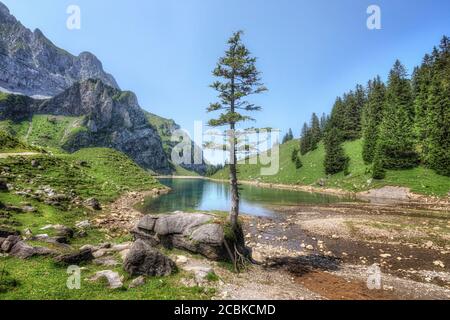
373,115
238,78
396,143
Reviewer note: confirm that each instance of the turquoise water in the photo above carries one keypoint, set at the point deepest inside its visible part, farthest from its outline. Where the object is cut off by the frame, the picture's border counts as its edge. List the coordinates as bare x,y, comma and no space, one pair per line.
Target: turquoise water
205,195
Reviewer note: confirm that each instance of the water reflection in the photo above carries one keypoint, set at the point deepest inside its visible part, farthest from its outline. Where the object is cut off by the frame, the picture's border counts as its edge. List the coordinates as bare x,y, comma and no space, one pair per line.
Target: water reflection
204,195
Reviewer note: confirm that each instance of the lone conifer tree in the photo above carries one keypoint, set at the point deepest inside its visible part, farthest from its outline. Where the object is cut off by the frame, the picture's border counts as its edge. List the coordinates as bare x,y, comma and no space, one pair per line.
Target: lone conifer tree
238,79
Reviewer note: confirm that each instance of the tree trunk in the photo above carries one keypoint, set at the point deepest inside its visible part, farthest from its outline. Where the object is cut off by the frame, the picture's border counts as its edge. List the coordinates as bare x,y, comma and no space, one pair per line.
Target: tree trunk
234,188
234,212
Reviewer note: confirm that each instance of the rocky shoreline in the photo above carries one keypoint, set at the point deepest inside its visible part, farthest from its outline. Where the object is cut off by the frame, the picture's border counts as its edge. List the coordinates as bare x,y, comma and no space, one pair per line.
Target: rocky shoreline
305,260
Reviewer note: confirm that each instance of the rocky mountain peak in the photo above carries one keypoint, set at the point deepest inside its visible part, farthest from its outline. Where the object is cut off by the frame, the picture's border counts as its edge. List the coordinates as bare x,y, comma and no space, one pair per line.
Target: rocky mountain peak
4,10
30,64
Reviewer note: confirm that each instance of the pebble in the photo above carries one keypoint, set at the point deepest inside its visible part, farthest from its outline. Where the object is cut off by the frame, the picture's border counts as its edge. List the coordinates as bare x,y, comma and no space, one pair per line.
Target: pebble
439,263
138,282
181,260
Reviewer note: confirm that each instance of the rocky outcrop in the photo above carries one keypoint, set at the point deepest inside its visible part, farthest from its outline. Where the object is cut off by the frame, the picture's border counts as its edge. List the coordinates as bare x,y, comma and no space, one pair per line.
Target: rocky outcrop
14,246
166,128
66,85
144,260
195,232
75,258
111,119
32,65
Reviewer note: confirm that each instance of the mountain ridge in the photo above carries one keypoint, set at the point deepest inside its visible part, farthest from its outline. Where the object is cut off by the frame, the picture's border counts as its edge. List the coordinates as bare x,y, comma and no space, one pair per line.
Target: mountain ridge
30,64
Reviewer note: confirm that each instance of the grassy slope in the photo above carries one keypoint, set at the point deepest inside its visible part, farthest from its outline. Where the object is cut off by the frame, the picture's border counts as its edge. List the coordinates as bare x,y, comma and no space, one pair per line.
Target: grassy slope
9,144
43,130
42,280
105,175
420,180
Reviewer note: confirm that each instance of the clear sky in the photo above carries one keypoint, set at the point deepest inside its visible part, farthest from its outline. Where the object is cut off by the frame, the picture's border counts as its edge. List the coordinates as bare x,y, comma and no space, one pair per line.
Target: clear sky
309,51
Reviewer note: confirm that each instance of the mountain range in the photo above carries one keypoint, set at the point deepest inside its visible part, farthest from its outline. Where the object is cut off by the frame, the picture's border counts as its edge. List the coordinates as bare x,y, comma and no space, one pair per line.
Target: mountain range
38,78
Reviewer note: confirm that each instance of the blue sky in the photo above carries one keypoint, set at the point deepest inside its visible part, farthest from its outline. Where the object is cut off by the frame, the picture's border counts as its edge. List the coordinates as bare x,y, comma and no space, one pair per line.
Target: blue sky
309,51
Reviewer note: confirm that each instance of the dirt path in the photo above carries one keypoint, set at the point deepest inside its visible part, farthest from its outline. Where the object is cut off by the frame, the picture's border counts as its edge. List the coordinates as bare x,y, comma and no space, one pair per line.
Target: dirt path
17,154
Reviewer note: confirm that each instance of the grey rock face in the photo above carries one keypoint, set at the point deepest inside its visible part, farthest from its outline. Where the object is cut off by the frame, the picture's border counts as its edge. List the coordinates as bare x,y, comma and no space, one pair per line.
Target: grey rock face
113,119
196,233
32,65
147,261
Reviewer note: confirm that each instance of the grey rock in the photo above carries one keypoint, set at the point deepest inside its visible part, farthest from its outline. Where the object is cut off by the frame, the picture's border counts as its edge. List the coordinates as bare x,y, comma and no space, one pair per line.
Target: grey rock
106,261
200,272
138,282
143,259
24,251
32,65
112,277
194,232
9,243
209,234
83,224
29,209
75,258
93,203
111,119
180,223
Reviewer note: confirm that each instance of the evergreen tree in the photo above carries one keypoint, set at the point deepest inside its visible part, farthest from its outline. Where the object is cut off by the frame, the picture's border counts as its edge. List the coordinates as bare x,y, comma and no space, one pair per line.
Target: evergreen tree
437,140
355,113
238,78
323,123
288,137
372,117
337,117
396,138
335,158
378,171
295,157
305,141
316,134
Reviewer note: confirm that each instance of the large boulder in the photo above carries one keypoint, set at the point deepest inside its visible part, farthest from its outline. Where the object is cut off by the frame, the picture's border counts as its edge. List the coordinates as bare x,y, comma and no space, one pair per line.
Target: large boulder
9,242
18,248
195,232
144,260
24,251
